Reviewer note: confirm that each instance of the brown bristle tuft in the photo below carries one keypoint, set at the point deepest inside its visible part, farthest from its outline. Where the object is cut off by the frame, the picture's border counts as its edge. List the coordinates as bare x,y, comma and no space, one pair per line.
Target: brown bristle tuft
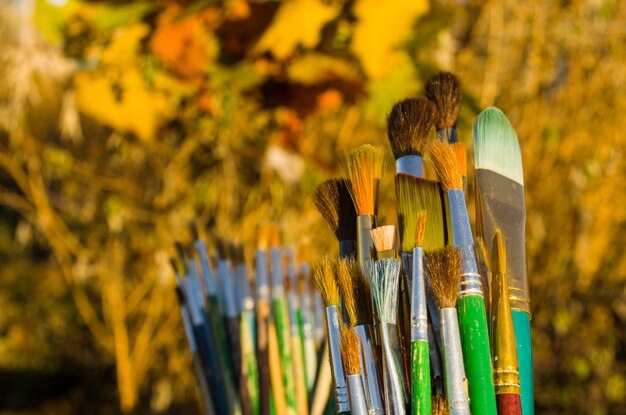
264,235
275,236
232,251
241,254
350,352
444,267
440,405
222,246
410,126
355,292
332,199
176,266
301,285
193,228
180,249
446,165
325,281
362,170
444,90
461,156
384,237
421,228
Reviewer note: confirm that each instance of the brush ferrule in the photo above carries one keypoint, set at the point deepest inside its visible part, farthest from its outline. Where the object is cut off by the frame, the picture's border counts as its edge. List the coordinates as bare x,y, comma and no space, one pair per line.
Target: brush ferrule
336,366
395,388
188,328
365,244
506,380
209,282
456,382
357,395
194,283
386,254
247,301
261,280
278,288
370,372
412,165
448,135
228,293
347,249
195,308
419,313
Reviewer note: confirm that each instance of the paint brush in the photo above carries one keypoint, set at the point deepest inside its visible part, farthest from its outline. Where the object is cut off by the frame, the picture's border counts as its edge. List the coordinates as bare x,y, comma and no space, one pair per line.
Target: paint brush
410,126
263,315
384,239
332,199
500,203
444,268
420,361
506,372
385,282
324,279
357,297
352,364
308,327
444,90
471,304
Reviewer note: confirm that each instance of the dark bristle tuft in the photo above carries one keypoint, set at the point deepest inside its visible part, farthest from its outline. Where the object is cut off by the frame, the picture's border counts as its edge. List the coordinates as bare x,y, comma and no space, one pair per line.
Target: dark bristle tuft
350,352
444,267
410,126
332,199
180,249
355,292
193,228
222,246
325,281
444,90
446,164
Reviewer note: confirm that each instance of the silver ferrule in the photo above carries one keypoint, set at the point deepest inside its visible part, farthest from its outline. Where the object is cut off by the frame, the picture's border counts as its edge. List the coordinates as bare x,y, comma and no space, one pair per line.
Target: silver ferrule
357,395
365,245
336,366
456,382
370,372
395,389
411,164
195,309
463,239
223,270
207,273
419,310
247,300
278,288
448,135
195,285
262,283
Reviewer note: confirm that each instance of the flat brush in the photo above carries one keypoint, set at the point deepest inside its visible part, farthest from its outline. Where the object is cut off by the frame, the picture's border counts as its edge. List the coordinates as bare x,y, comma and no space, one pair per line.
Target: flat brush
444,269
357,297
420,361
325,282
500,203
352,365
332,199
444,90
410,126
385,282
471,304
506,372
384,239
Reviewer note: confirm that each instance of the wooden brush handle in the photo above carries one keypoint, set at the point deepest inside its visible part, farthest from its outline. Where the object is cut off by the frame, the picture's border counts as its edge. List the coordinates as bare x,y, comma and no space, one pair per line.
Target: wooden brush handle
509,404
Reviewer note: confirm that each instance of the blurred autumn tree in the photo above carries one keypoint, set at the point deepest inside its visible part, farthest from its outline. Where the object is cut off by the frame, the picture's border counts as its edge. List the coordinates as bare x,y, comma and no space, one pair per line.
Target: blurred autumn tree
121,121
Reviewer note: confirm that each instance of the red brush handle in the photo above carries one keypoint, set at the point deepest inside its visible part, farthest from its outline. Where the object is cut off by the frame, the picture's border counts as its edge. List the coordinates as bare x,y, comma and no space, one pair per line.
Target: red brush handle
509,404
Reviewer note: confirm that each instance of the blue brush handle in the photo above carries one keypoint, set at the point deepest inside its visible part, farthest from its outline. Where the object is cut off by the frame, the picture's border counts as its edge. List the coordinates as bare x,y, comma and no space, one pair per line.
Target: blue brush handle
521,322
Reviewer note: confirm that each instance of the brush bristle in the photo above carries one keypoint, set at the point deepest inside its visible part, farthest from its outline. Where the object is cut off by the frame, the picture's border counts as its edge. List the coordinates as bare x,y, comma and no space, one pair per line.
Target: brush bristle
350,353
444,267
461,156
439,405
410,126
301,284
222,246
362,171
429,199
325,281
444,90
241,254
498,253
495,145
332,199
180,249
384,237
275,236
446,165
346,287
264,235
407,208
385,278
193,228
176,266
355,292
420,229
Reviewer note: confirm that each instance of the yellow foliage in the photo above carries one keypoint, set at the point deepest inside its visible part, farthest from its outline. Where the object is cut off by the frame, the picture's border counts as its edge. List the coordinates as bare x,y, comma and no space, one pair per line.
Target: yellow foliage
297,22
124,45
381,27
313,68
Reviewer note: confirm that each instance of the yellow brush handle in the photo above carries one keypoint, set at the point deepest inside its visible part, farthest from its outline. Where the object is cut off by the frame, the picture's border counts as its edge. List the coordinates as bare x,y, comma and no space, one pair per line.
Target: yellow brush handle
278,390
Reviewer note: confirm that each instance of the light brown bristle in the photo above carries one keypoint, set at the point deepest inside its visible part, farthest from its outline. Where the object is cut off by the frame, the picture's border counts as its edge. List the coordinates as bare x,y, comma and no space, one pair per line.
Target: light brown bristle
439,405
275,236
444,267
350,353
384,237
362,170
325,281
446,165
355,292
264,235
332,199
444,90
301,284
410,126
461,156
420,228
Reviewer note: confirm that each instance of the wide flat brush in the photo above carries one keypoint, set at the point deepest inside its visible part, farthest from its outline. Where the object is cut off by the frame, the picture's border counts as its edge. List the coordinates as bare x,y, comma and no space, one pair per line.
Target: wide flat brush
332,199
444,269
471,304
500,203
444,90
506,371
410,126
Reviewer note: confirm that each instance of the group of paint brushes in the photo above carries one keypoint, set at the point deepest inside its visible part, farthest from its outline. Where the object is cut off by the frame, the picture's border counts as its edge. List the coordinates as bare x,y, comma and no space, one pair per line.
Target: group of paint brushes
432,318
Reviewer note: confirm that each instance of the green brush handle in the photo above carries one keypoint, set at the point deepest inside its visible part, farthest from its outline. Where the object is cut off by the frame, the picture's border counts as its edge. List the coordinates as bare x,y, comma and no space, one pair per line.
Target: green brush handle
477,354
420,378
521,322
281,317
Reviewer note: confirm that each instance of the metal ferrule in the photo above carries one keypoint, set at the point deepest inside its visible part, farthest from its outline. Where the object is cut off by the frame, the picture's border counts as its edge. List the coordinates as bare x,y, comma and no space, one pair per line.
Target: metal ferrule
207,273
195,310
365,245
411,164
347,249
395,391
357,395
336,366
370,372
506,380
223,269
463,239
448,134
278,288
419,310
262,283
456,382
194,284
247,300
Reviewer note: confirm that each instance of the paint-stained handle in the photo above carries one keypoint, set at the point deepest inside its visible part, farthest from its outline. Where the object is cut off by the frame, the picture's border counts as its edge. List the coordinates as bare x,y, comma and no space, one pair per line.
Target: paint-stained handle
521,322
420,378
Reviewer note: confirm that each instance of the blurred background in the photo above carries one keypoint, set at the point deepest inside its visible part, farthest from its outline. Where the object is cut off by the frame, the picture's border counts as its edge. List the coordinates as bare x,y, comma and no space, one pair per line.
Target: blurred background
121,121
